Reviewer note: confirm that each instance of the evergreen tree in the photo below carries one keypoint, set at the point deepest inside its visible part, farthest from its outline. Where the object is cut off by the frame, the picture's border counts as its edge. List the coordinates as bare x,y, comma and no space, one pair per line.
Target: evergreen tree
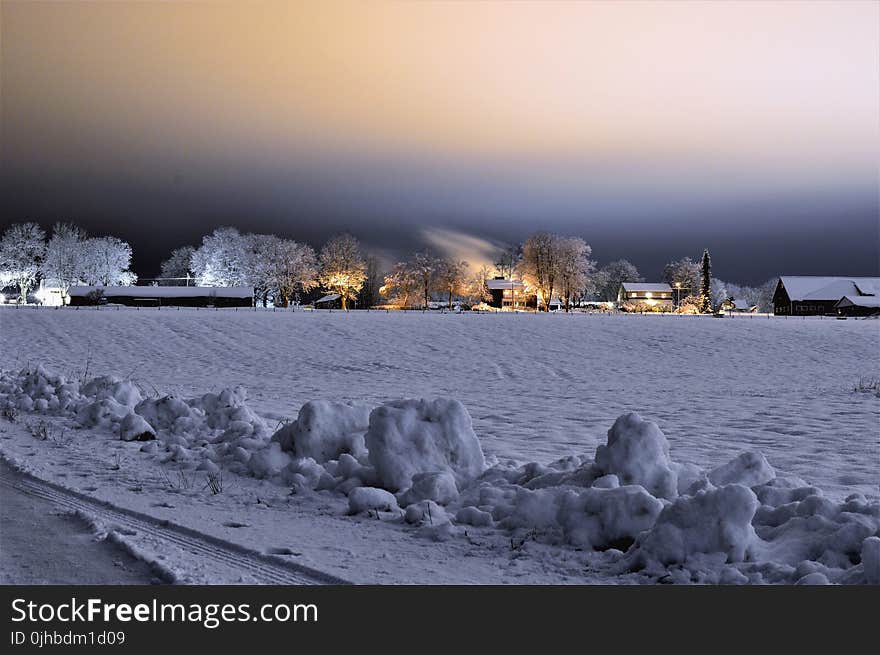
706,283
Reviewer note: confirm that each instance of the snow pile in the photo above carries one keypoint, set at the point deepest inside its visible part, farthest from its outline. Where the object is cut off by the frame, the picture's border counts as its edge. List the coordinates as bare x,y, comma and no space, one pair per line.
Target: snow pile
438,487
637,453
364,499
711,522
749,469
420,463
596,518
324,430
406,437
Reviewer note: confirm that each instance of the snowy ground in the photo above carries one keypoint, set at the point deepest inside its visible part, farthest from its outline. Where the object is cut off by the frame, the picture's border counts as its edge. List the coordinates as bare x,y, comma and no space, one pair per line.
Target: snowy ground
537,387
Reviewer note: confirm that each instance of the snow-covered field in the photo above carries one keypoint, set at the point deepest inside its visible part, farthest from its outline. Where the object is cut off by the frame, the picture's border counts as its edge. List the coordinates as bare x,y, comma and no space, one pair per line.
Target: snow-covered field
538,388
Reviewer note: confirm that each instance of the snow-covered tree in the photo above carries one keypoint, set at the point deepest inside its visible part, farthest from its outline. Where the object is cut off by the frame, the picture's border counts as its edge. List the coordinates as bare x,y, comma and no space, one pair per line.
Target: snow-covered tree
66,256
22,249
607,280
261,252
107,261
177,269
296,270
683,274
539,266
425,267
451,278
400,284
721,291
343,269
574,269
221,259
706,283
476,290
370,293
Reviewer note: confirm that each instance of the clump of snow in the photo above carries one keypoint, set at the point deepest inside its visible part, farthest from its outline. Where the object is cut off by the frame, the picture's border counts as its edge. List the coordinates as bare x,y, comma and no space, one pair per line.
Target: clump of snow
407,437
163,413
749,469
435,486
135,428
589,518
871,560
473,516
362,499
638,453
715,521
425,511
324,430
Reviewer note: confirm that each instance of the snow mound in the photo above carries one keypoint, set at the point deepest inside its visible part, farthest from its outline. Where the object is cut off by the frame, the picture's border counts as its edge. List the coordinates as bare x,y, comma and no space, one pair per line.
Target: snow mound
637,453
712,522
135,428
588,518
749,469
324,430
871,560
438,487
406,437
362,499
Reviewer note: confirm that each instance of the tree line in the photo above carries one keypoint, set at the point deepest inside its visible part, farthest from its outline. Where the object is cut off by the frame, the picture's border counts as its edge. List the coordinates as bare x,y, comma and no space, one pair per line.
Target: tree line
69,256
552,268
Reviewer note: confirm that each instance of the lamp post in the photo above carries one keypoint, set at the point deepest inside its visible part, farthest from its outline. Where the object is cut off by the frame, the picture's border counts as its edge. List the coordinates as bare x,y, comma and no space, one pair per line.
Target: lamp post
677,294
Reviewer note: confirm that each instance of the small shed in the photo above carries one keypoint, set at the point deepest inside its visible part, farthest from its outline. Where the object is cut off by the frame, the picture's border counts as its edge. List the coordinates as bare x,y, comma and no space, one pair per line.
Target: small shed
330,301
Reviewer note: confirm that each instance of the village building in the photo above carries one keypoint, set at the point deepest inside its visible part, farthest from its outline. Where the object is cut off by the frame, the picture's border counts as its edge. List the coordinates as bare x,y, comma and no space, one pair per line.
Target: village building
330,301
818,296
739,306
506,294
645,296
858,306
162,296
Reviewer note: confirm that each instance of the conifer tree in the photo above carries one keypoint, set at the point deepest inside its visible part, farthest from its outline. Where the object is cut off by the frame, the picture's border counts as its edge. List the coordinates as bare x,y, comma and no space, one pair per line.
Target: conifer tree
706,283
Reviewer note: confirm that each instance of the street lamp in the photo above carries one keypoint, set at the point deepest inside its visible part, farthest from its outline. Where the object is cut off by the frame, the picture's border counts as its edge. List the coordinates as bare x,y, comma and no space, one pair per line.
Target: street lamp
677,294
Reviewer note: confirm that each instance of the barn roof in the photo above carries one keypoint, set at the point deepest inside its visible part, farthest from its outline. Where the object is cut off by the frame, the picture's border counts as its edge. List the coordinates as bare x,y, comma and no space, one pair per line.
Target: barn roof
330,297
646,286
164,292
808,287
859,301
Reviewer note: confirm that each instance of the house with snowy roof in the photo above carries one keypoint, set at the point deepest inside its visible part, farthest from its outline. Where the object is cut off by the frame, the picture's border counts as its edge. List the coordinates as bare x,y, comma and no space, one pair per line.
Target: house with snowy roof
506,294
802,295
738,305
647,296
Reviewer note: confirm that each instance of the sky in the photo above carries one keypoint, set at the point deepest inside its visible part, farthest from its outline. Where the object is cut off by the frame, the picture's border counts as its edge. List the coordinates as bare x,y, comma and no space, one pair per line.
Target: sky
650,129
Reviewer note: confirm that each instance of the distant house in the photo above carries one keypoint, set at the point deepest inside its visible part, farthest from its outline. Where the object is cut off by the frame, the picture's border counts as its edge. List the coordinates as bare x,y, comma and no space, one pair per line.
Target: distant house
506,294
858,305
49,293
738,305
816,295
162,296
648,296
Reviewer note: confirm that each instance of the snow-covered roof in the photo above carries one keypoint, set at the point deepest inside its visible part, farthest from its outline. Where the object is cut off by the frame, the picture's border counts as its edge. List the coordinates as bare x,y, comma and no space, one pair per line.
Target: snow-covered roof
808,287
330,297
859,301
647,286
504,284
165,292
739,303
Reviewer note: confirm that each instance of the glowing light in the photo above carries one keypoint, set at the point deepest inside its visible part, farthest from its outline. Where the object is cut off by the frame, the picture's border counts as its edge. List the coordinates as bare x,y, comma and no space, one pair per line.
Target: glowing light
648,294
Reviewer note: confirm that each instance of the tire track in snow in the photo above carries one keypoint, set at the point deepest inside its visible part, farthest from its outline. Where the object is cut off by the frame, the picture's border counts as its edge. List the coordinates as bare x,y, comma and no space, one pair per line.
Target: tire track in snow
210,550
